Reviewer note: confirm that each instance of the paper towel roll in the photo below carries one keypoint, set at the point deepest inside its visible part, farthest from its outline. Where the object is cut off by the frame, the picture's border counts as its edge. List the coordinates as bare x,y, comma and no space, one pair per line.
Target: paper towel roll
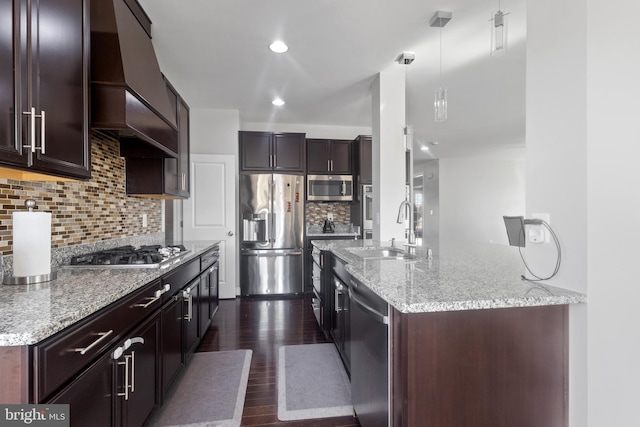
31,243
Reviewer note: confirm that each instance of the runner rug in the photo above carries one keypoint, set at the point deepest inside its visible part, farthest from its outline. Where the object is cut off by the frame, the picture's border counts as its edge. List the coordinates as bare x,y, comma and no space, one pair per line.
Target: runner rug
211,391
312,383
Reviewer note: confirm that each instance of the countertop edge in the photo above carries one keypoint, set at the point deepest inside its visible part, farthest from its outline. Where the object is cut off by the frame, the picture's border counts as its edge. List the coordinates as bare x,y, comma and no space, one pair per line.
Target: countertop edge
35,336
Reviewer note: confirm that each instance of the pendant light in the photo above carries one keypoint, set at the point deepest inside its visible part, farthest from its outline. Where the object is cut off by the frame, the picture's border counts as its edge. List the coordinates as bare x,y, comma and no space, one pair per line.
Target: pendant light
439,20
498,24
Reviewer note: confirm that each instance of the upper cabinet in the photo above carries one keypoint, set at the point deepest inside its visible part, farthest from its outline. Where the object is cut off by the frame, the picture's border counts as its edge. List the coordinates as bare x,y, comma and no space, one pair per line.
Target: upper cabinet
362,165
272,152
158,176
44,70
328,156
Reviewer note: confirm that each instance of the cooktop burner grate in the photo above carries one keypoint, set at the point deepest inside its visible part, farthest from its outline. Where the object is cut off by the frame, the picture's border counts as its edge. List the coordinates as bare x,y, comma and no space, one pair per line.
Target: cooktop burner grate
129,256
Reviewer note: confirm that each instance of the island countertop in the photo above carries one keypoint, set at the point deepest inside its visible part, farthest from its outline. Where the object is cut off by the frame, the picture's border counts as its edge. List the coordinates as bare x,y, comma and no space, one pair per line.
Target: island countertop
458,277
31,313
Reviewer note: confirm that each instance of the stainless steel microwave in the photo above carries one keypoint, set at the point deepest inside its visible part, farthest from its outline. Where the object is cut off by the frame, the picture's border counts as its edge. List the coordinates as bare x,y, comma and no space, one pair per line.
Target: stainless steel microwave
324,188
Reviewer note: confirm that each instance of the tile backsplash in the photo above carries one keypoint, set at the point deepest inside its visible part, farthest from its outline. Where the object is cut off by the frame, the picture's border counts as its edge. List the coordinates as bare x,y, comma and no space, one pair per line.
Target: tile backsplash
83,211
317,212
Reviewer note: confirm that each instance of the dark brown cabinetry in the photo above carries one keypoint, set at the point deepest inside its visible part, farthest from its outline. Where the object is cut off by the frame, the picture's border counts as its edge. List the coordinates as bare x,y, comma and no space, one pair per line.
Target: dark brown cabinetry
120,388
340,310
480,367
272,152
44,68
329,156
363,160
171,343
209,288
191,317
162,176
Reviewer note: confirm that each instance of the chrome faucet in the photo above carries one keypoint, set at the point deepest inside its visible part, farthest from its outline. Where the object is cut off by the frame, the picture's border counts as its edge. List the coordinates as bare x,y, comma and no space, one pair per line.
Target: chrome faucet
405,203
411,244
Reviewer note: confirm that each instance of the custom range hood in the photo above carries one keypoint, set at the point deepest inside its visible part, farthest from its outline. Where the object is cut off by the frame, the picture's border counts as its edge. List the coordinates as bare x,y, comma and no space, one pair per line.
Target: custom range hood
129,98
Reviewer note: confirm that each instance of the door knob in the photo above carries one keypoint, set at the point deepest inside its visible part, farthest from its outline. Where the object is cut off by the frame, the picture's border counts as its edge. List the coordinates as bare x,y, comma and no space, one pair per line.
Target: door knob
230,233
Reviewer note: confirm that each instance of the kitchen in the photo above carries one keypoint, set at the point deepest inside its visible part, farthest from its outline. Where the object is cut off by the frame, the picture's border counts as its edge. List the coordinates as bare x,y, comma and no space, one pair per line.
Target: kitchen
548,183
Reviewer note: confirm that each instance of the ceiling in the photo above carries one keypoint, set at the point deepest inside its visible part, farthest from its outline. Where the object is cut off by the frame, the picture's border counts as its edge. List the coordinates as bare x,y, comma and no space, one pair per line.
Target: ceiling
216,54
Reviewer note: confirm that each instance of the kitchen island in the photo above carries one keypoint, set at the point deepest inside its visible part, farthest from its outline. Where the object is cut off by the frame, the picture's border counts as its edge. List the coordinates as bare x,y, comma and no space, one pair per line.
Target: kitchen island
469,342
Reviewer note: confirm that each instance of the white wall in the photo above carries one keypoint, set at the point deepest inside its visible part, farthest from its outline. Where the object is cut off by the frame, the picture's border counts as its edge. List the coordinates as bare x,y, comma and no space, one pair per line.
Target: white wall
613,212
475,192
582,151
312,131
214,131
388,153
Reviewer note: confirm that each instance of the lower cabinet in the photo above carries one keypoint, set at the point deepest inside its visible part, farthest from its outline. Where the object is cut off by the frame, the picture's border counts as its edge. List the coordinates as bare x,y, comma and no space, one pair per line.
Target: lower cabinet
116,367
136,363
90,396
120,389
171,342
191,302
340,321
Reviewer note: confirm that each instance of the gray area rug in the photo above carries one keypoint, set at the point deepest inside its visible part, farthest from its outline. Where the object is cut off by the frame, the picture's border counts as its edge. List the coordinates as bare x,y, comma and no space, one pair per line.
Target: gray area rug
312,383
210,393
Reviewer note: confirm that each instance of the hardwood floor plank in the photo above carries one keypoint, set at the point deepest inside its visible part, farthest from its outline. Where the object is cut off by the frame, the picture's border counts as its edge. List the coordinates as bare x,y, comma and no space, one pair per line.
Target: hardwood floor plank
263,325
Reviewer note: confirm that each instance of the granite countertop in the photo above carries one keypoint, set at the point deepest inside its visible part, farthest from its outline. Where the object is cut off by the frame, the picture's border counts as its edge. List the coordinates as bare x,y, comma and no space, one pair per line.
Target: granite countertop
31,313
458,277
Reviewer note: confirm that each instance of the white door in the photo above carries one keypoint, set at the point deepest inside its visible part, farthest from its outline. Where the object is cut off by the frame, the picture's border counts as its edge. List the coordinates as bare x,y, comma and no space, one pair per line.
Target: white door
210,212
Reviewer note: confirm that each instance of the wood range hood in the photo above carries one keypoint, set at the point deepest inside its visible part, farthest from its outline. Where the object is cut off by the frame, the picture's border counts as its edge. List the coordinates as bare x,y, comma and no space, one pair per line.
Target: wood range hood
129,98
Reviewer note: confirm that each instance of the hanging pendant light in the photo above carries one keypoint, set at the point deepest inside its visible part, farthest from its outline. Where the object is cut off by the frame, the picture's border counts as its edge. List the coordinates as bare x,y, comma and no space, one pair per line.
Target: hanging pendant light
498,24
439,20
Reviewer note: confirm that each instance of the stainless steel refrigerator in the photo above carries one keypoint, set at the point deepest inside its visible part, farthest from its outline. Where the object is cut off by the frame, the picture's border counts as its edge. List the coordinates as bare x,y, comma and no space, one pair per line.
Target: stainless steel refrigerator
272,234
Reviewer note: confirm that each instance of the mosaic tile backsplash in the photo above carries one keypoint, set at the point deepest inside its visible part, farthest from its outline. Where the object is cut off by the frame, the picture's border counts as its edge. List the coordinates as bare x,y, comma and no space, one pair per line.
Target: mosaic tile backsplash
317,212
83,212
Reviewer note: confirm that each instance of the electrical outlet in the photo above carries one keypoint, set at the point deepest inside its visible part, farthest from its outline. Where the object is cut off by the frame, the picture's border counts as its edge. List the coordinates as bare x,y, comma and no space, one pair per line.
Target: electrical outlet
330,216
539,233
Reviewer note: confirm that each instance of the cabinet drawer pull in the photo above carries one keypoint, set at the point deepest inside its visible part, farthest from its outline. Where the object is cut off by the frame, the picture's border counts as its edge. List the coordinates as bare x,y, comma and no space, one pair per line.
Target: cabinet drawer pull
32,127
126,377
156,297
102,336
43,126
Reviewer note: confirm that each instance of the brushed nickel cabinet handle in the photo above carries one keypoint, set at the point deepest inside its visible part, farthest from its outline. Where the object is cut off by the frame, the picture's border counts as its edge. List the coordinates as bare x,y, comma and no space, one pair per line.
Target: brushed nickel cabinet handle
43,126
156,297
32,127
102,336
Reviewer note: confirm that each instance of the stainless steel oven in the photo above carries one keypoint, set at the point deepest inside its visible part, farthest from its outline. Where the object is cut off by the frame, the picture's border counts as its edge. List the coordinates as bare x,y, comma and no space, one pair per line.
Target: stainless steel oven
326,188
367,211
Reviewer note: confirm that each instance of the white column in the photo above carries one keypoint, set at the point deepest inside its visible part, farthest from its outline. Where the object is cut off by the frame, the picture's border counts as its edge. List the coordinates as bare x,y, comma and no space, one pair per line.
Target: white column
388,120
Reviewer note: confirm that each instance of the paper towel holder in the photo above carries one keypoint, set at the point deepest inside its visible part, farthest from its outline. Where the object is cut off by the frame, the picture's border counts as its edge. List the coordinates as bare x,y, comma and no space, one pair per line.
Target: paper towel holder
29,280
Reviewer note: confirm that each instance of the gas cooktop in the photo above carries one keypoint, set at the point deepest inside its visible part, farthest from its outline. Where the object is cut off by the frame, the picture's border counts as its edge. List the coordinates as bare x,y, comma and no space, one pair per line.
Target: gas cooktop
154,256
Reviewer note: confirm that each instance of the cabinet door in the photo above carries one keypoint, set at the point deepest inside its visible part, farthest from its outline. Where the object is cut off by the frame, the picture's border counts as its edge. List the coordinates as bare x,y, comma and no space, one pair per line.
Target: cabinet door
366,160
171,175
171,342
10,153
89,396
190,316
288,151
143,396
340,157
183,148
59,84
255,151
317,156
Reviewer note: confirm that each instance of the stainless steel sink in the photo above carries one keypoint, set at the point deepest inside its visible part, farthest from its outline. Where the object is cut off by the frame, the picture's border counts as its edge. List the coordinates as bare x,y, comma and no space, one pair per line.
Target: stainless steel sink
381,253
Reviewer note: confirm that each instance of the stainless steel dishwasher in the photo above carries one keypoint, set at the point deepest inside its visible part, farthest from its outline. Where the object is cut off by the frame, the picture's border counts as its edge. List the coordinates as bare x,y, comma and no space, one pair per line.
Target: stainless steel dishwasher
369,356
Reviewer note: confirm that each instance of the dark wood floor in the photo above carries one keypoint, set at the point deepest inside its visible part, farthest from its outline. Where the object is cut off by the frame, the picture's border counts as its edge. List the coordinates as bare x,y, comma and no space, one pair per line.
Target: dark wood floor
262,326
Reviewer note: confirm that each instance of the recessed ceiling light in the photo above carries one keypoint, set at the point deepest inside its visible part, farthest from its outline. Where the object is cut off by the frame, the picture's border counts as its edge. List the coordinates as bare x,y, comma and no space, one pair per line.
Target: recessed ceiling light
277,102
278,47
423,148
434,143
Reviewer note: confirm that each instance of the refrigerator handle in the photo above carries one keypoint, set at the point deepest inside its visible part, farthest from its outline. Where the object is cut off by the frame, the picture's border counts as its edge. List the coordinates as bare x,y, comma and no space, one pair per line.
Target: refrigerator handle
273,226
